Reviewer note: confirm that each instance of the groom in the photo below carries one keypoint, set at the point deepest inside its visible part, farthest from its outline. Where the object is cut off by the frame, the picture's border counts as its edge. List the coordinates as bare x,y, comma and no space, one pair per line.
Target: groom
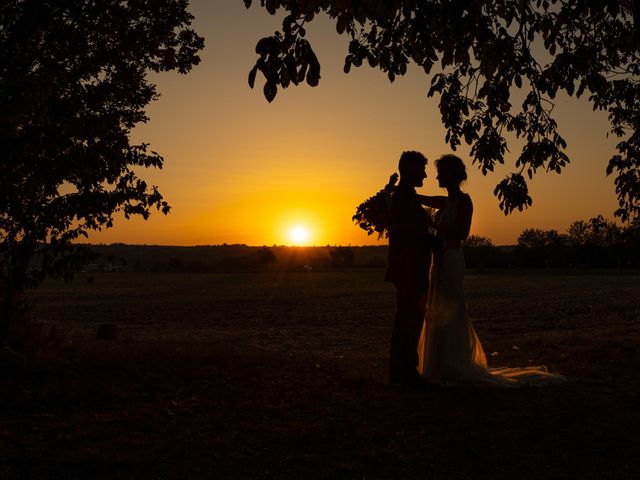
410,245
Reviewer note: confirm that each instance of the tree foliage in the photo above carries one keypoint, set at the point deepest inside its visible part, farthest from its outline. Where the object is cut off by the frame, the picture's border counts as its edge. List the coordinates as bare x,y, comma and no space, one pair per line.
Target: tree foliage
73,84
477,54
597,242
477,241
537,238
597,231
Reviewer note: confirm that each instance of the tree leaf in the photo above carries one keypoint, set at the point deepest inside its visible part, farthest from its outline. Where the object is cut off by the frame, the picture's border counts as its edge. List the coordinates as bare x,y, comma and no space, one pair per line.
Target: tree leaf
518,81
252,76
270,5
313,77
270,90
347,65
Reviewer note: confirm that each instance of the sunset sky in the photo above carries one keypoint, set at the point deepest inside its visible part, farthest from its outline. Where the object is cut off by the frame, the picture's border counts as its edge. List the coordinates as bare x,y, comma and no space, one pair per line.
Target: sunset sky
241,170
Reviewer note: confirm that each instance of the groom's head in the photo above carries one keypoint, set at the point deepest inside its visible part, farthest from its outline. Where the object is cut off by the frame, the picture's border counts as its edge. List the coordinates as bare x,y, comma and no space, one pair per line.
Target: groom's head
412,167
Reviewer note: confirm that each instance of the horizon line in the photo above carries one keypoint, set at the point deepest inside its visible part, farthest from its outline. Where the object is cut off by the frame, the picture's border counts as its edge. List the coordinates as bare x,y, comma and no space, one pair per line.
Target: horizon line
244,245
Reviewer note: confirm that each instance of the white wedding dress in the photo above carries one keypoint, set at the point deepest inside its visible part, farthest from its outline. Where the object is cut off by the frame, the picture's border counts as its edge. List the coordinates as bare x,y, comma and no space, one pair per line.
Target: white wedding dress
449,350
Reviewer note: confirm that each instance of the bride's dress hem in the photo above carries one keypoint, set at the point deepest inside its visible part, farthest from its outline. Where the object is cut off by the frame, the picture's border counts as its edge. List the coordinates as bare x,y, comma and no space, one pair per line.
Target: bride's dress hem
450,352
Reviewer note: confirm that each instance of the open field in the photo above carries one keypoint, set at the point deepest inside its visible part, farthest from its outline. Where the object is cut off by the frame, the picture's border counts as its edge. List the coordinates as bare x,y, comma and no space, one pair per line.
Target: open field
282,375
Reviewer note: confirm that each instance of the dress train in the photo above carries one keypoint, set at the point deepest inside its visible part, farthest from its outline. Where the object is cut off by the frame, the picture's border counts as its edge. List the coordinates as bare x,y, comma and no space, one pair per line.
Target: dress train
450,352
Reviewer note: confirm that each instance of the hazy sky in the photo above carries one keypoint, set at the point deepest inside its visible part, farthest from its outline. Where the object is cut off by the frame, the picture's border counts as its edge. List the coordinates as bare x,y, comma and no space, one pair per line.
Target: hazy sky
241,170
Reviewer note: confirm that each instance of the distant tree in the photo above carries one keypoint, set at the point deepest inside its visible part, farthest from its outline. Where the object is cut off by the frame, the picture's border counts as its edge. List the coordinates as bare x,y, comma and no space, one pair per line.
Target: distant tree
479,252
477,53
532,238
578,233
597,231
342,256
73,84
632,231
556,239
604,232
630,238
265,256
477,241
599,242
536,248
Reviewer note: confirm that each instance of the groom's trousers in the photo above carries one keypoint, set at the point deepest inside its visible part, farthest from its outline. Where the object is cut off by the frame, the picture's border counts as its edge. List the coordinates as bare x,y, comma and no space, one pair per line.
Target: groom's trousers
411,305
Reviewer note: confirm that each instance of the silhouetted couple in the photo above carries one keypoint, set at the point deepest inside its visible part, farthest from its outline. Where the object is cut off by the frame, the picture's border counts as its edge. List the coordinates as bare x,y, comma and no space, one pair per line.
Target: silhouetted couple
433,341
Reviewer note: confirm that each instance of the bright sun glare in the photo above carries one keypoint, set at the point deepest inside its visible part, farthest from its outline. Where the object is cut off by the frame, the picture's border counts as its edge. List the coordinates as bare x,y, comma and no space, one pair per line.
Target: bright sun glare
299,235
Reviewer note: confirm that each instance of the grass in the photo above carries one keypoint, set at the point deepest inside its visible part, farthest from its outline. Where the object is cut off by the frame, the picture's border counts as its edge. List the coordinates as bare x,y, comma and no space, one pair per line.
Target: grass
283,375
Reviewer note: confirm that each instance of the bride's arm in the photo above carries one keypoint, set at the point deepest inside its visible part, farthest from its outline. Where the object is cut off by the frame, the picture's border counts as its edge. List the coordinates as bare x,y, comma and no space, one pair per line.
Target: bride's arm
433,201
458,231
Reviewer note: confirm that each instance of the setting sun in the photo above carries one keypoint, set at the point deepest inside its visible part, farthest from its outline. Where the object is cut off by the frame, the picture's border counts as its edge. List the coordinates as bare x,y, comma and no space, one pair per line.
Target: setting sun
299,235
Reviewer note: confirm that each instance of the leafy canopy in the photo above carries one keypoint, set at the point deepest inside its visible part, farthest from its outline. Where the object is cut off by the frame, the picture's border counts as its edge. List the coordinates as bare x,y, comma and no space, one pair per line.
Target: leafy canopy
73,83
476,53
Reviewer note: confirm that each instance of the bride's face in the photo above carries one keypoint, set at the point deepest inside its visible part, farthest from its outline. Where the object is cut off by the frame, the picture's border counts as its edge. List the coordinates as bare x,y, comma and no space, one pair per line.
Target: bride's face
444,178
447,179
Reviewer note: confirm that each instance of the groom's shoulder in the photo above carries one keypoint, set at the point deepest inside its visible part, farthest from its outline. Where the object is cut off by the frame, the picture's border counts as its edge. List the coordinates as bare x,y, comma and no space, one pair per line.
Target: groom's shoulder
403,193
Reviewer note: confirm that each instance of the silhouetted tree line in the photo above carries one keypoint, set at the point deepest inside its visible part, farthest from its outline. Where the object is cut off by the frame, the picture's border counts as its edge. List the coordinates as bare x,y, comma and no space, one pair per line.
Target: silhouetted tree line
597,242
342,257
262,258
266,258
231,258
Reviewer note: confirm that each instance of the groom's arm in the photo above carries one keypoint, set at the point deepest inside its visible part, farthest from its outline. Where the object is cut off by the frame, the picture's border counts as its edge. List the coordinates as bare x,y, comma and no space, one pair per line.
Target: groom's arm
406,216
437,201
410,223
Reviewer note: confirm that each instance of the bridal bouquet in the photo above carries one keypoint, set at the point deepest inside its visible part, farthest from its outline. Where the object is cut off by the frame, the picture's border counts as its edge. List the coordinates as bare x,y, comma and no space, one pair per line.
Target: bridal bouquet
372,215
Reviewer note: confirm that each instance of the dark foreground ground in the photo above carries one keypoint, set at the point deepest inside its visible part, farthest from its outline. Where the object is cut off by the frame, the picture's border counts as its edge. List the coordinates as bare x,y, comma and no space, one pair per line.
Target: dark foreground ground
282,376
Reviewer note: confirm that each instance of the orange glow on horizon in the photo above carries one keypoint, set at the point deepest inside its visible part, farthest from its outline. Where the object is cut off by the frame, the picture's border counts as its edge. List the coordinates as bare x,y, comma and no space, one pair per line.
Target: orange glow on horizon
240,170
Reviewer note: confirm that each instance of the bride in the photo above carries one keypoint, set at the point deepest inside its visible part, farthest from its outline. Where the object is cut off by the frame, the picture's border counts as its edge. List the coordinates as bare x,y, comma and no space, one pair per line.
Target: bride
449,350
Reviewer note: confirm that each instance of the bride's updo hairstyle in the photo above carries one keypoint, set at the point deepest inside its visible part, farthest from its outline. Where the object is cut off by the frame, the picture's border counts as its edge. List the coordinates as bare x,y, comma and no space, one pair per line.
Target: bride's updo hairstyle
454,165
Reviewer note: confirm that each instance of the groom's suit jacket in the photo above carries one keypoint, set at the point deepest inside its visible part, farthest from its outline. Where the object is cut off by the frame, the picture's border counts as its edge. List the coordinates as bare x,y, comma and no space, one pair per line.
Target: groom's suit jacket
410,241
